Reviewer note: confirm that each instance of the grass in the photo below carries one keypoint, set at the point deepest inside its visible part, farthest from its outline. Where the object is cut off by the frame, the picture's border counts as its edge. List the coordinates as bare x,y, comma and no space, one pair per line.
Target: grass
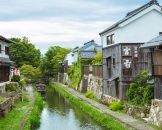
13,120
102,119
33,121
155,127
89,94
116,106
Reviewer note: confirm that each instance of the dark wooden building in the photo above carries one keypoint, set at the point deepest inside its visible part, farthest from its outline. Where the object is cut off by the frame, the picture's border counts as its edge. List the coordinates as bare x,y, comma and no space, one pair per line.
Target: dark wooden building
122,57
154,50
5,62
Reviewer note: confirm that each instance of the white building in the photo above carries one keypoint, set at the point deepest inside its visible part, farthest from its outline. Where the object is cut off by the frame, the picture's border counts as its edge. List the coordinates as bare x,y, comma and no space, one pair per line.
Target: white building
138,26
122,58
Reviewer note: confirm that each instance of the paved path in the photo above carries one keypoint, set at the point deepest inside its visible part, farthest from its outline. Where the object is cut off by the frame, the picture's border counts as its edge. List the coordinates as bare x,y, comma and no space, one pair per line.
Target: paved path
124,118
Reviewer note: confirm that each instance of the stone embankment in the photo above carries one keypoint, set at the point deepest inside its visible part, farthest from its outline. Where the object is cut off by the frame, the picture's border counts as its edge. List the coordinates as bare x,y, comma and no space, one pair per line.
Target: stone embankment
129,121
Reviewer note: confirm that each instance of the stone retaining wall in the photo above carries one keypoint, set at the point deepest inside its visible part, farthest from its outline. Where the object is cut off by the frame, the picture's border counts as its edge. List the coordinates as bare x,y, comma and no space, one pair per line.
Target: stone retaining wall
136,111
106,99
155,116
95,85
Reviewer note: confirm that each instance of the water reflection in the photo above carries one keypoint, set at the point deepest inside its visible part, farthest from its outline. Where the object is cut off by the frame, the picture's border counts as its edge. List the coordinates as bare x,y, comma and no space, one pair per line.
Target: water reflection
60,115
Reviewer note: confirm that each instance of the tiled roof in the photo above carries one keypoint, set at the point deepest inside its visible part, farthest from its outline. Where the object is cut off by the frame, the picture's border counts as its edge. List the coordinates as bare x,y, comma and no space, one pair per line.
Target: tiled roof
157,41
131,14
6,60
5,39
87,54
89,44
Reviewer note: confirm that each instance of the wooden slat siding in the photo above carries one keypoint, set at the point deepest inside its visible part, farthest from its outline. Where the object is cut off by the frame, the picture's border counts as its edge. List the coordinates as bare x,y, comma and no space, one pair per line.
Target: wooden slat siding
142,64
158,88
157,63
85,70
108,84
97,71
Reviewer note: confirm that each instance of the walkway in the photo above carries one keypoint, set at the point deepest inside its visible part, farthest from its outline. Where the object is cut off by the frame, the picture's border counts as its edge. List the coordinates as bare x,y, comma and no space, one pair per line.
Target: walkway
123,118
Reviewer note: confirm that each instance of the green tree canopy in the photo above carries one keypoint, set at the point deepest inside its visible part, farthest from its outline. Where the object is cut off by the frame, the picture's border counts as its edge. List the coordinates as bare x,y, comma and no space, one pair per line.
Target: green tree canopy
23,52
30,72
98,59
53,60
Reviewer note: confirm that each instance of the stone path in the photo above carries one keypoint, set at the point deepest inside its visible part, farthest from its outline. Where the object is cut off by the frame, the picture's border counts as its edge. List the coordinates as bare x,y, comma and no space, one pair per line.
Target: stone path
127,120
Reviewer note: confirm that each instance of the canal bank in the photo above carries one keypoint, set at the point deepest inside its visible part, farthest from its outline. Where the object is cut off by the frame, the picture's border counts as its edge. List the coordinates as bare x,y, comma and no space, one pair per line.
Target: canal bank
61,114
111,119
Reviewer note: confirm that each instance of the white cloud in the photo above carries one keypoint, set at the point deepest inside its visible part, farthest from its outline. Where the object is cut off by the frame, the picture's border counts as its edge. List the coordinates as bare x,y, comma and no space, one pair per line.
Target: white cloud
56,31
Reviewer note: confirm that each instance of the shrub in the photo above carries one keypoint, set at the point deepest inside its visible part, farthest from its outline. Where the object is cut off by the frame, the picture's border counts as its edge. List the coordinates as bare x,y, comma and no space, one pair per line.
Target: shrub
15,78
22,83
2,99
116,106
25,96
11,87
90,95
140,92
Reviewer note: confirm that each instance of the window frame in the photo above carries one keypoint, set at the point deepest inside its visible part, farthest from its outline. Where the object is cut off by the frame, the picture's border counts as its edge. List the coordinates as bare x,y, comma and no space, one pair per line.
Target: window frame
110,39
6,50
0,48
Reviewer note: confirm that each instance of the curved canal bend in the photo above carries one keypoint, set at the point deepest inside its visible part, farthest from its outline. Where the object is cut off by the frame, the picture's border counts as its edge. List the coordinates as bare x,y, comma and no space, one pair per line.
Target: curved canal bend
59,114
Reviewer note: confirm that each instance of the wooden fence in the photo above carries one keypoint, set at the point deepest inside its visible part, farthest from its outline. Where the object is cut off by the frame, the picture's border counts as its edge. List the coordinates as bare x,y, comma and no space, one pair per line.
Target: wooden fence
95,70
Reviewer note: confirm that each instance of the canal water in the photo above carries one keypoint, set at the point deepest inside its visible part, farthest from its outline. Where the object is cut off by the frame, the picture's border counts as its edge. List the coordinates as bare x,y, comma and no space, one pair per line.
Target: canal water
59,114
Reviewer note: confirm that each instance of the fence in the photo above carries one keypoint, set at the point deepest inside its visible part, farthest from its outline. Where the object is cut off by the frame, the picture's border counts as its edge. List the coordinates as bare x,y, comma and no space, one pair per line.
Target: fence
95,70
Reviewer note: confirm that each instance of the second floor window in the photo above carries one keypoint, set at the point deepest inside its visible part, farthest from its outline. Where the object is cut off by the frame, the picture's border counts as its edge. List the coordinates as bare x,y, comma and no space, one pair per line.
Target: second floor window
110,39
6,50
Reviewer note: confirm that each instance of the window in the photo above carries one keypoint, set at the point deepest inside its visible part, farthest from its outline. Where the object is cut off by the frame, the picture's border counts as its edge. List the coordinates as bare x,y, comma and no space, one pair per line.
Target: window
0,48
110,39
6,50
113,62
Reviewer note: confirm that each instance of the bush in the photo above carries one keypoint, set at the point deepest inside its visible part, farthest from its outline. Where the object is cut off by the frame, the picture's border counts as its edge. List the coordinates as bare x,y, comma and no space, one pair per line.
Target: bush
2,99
90,95
116,106
25,96
140,92
11,87
22,83
15,78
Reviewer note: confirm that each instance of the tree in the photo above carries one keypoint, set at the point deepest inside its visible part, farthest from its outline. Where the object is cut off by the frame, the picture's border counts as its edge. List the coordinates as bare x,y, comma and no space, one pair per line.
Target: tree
52,63
98,59
23,52
30,72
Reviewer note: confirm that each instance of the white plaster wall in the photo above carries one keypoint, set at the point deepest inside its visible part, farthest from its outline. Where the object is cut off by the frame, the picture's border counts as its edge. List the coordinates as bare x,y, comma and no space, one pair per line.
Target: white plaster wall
142,29
70,59
2,54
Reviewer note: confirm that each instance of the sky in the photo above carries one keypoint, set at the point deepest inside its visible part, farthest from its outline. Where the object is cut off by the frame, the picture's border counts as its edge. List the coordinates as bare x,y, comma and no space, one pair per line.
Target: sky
67,23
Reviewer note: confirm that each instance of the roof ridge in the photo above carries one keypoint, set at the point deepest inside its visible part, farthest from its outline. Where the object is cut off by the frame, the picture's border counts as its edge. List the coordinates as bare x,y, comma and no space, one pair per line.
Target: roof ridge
152,2
131,14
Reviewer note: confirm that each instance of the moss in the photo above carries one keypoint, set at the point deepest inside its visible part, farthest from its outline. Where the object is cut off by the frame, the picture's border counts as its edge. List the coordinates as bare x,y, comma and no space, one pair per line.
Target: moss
89,94
102,119
116,106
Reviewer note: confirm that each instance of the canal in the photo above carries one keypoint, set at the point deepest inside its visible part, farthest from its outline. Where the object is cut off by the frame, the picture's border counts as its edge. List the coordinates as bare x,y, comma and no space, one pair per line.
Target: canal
59,114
